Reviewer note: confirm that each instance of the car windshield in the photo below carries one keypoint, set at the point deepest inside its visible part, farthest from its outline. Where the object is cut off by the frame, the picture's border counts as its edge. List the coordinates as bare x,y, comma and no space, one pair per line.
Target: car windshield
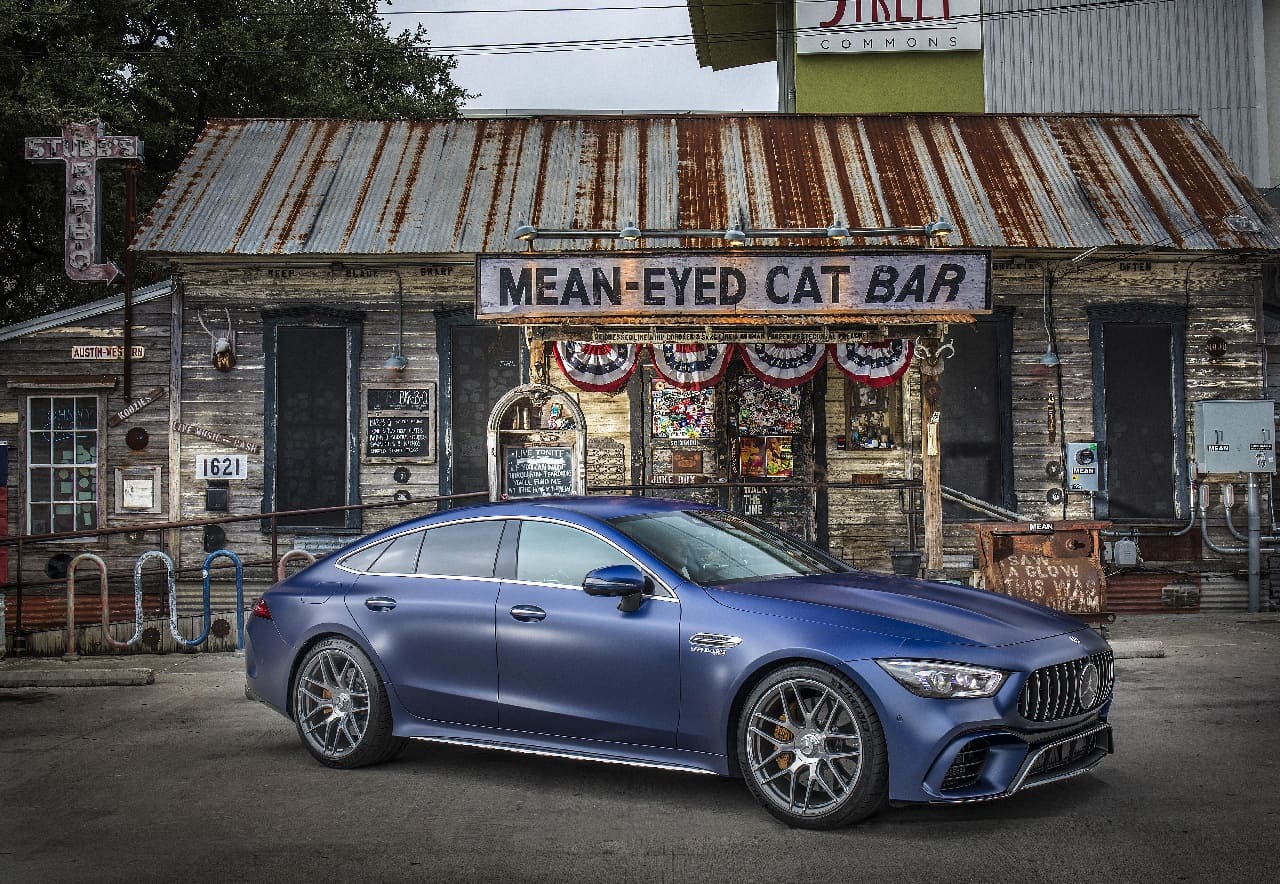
716,547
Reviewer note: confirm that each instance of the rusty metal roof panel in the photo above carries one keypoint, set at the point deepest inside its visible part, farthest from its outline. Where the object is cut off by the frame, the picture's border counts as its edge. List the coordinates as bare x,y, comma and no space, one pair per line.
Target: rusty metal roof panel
458,187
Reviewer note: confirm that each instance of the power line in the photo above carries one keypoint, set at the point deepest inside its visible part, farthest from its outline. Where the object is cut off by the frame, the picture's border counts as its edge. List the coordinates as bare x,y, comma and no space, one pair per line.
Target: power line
603,43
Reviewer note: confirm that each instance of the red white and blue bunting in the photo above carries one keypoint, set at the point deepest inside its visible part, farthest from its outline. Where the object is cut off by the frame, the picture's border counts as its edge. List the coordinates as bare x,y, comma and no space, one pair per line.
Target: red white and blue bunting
597,368
692,366
784,365
877,364
606,368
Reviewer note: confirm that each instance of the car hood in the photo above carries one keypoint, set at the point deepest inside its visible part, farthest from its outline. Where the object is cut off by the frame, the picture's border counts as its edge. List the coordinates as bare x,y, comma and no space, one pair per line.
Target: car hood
912,609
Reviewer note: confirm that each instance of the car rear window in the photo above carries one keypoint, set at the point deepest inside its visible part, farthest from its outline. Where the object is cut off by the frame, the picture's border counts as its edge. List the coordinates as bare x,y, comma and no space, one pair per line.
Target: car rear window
464,549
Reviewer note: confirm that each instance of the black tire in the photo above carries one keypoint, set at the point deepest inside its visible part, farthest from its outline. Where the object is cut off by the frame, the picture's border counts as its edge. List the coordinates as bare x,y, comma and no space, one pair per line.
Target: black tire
340,707
811,749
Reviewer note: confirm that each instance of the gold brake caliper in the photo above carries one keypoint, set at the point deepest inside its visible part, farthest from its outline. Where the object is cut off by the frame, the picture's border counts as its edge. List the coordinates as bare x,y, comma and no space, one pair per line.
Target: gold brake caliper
784,735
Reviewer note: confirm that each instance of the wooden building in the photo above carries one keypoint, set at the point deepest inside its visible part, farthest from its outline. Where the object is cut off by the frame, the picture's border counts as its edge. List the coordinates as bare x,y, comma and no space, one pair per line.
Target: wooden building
1123,263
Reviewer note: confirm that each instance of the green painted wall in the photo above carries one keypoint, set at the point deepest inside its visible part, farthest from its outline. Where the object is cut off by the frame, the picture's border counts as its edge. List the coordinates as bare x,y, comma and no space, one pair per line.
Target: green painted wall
890,82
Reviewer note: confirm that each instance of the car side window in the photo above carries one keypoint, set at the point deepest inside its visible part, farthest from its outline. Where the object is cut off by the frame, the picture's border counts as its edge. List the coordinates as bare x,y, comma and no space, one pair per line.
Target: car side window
400,556
465,549
552,553
364,559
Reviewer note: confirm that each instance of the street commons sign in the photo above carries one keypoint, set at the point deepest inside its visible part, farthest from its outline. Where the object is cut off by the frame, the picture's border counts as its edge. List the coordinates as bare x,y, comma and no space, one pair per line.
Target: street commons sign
697,287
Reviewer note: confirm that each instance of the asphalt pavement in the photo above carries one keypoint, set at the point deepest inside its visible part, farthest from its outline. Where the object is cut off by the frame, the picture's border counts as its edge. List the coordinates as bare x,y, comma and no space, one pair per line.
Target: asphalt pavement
185,778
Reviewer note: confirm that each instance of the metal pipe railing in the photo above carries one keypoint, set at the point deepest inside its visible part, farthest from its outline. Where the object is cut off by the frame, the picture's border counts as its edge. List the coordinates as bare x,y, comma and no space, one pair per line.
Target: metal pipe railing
21,541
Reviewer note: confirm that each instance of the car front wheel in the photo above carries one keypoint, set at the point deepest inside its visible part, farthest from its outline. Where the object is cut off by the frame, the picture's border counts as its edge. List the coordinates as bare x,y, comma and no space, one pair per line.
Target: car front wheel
811,749
340,707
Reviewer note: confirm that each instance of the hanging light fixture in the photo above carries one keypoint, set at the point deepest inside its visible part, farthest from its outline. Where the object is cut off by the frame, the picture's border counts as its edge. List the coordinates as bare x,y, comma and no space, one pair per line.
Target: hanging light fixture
1049,359
939,230
734,235
396,361
629,233
837,232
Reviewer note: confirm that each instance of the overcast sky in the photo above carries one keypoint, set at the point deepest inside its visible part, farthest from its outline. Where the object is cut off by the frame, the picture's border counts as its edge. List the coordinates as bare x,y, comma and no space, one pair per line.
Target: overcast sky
665,78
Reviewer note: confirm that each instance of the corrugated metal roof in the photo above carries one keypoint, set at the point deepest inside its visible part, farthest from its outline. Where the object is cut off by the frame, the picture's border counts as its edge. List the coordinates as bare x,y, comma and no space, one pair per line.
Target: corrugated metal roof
161,289
458,187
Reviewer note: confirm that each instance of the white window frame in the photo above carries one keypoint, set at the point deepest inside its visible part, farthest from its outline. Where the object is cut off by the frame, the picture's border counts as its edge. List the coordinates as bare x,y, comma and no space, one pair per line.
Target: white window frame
32,506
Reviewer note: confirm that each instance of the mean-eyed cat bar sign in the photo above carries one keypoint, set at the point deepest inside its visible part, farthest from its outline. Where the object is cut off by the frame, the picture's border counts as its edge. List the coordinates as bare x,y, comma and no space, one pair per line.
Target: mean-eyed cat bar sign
697,286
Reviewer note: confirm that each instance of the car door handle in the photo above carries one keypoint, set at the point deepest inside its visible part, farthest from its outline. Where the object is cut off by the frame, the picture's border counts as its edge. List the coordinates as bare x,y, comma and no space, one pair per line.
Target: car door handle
528,613
380,603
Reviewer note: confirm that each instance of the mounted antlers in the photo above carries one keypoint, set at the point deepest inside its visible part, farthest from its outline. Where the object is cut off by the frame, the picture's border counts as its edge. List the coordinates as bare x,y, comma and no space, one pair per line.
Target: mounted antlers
223,348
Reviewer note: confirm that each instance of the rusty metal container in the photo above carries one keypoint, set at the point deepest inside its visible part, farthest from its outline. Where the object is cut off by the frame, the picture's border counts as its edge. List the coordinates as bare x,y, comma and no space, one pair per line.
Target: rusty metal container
1057,564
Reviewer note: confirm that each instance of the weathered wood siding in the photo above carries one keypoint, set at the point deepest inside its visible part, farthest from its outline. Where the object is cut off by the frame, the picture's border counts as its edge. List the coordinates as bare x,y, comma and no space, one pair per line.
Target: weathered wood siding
865,524
46,356
233,402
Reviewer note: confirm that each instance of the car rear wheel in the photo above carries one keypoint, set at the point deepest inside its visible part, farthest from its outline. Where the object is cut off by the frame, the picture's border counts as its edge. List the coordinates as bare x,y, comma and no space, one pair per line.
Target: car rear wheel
811,749
340,707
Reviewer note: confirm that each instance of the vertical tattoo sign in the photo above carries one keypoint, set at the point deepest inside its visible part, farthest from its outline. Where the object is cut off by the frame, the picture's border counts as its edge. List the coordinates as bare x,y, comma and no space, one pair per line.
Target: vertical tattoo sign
80,148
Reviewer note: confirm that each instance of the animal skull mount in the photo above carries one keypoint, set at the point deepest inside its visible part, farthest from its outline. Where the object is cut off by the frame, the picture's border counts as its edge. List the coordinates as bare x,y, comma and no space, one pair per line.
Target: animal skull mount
222,348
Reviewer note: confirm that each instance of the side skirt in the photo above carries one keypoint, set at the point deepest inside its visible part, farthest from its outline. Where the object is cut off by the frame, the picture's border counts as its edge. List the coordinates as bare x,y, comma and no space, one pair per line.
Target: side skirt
563,747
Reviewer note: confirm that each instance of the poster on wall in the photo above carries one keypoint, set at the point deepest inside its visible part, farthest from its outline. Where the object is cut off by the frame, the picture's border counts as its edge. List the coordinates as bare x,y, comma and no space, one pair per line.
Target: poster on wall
765,457
682,414
762,409
874,415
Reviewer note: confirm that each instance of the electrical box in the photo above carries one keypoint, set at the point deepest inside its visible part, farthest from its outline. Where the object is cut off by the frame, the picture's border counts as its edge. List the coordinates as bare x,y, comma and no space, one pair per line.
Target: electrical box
217,496
1235,436
1082,466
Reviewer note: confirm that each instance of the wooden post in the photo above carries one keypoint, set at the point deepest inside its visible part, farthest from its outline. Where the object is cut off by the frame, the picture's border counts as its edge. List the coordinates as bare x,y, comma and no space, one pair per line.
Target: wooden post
931,361
538,373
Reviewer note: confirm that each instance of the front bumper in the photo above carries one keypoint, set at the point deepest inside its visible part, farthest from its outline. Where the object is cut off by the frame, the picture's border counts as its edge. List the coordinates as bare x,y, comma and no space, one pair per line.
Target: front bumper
979,749
997,764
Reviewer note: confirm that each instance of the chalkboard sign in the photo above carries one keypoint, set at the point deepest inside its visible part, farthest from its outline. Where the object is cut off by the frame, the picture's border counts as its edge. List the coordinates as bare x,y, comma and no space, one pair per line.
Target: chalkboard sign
538,472
400,399
398,436
399,422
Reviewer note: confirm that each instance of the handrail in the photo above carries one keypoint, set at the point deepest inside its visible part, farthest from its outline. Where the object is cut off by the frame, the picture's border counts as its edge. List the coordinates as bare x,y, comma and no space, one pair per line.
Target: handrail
981,506
22,540
70,653
223,520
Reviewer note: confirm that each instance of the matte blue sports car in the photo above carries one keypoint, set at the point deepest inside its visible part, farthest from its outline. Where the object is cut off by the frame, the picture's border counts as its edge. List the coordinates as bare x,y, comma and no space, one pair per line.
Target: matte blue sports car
664,633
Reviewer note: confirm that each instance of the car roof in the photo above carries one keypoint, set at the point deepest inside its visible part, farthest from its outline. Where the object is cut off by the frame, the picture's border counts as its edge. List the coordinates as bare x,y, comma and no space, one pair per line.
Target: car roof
601,507
612,506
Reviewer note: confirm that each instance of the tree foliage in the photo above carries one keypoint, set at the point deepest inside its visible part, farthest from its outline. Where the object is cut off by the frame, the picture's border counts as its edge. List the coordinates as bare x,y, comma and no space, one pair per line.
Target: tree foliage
160,69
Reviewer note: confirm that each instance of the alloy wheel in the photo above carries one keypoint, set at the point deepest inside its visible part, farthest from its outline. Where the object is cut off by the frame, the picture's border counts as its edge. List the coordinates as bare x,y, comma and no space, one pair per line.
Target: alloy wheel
332,703
804,747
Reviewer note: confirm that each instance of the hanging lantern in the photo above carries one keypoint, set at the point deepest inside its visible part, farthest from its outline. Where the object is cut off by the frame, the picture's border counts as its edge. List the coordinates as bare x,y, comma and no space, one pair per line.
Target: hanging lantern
784,365
876,364
692,366
597,368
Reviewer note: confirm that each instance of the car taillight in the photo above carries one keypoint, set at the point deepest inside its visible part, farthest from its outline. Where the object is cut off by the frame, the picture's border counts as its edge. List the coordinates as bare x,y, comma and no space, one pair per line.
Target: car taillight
260,609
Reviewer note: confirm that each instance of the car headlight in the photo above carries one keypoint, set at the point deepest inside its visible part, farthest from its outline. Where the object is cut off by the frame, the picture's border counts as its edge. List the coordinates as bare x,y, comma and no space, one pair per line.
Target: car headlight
926,678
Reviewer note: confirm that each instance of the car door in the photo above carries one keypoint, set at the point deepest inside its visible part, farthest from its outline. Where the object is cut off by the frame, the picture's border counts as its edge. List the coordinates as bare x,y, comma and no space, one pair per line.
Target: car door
573,665
428,612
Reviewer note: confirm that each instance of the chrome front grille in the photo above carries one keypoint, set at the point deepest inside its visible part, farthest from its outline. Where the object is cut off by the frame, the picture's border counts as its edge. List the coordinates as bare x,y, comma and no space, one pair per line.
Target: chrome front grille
1054,692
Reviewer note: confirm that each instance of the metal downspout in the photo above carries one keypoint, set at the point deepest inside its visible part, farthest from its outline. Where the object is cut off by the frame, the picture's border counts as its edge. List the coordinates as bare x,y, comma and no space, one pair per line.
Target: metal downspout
1255,544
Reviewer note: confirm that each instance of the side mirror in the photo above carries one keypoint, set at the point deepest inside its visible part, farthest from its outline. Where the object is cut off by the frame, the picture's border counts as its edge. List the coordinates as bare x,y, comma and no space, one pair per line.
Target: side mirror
626,582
